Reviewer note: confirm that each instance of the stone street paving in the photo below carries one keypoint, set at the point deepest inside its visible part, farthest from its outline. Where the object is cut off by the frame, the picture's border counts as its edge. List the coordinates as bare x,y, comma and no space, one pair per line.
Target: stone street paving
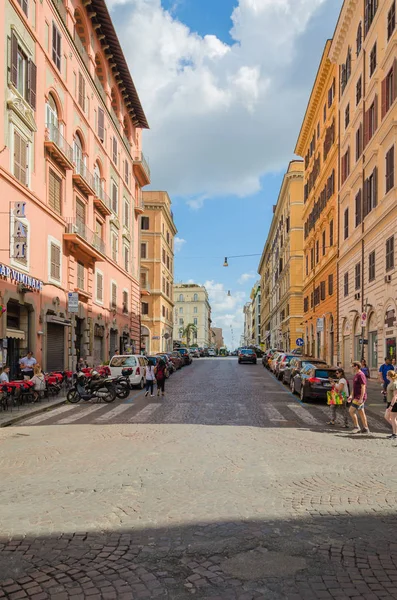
229,488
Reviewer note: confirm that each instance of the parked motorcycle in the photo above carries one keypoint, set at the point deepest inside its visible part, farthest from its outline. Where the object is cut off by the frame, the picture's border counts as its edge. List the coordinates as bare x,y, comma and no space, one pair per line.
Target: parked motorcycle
122,385
86,388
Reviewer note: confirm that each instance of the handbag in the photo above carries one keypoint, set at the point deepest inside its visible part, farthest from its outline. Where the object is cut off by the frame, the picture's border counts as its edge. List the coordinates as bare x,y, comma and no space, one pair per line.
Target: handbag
335,398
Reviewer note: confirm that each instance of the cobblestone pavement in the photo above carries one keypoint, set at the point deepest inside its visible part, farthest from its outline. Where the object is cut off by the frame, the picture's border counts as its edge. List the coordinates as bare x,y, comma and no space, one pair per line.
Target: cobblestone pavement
228,488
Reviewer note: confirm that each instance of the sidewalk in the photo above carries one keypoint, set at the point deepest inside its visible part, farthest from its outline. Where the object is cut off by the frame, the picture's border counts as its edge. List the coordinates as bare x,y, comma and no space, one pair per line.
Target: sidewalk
9,417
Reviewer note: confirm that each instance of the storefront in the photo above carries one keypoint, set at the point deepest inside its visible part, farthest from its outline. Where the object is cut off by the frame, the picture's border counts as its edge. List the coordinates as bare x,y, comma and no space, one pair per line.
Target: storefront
55,341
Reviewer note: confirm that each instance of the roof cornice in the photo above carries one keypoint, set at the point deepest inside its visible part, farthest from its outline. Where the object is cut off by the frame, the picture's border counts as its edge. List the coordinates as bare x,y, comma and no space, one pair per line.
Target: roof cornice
342,28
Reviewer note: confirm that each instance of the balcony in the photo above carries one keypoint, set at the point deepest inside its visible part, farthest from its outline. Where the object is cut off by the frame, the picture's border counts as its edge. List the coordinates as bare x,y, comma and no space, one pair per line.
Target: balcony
83,178
56,145
84,243
145,288
101,199
81,50
100,88
139,207
61,8
141,169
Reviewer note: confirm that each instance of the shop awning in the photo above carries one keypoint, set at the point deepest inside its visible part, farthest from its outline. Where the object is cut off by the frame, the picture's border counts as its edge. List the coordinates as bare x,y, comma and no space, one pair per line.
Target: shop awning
18,334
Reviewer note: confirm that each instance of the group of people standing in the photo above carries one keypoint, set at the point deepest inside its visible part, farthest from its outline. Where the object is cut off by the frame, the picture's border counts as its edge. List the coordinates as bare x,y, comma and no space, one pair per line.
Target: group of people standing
158,373
352,402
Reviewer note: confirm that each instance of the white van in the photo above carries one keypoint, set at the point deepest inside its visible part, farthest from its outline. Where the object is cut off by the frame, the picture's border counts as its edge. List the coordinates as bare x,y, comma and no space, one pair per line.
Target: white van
136,362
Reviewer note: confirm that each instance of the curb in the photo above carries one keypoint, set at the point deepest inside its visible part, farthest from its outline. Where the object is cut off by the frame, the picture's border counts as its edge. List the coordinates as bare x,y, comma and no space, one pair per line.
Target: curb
39,410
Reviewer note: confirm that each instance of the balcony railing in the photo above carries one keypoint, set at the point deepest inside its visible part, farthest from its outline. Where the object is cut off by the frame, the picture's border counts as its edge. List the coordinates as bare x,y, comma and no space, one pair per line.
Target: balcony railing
61,8
115,119
54,136
81,50
100,88
89,236
81,170
142,169
145,164
101,194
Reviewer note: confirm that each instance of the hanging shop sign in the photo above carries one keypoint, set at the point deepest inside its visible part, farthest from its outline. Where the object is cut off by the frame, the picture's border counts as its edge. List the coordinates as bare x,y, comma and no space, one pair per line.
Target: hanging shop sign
18,231
35,285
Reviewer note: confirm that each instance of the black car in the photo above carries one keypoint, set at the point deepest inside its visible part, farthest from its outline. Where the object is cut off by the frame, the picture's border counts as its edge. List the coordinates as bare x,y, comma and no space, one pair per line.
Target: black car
313,381
295,365
185,356
246,355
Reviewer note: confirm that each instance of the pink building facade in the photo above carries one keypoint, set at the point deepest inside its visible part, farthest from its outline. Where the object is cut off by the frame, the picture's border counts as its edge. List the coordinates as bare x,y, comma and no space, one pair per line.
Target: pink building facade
71,178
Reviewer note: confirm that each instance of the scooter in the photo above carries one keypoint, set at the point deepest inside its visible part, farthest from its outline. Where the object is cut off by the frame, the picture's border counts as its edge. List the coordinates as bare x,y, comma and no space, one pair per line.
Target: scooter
122,385
86,388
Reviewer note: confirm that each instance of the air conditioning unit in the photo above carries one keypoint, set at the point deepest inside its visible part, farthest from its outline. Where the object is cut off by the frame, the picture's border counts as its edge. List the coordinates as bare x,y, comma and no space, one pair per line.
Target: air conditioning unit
387,278
357,296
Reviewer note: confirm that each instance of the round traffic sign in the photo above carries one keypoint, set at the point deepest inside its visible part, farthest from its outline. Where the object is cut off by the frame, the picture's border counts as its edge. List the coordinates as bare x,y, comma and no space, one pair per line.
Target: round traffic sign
299,342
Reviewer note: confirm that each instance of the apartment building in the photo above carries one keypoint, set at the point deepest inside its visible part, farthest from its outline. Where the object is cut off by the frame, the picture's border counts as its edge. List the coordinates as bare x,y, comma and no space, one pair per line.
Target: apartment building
192,307
248,331
281,265
318,144
71,173
256,313
157,272
364,51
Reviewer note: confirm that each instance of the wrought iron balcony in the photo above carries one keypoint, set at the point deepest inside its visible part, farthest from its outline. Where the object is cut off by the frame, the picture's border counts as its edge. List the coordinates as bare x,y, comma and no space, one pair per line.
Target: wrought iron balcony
101,199
84,242
83,178
58,147
100,88
81,50
141,169
139,207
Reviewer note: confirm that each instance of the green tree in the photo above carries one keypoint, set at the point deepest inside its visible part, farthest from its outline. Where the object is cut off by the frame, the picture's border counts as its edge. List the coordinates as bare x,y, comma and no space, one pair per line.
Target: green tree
188,331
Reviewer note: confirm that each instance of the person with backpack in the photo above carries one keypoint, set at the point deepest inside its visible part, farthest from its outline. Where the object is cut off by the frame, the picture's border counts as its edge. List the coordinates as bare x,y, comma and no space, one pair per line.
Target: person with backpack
39,382
161,374
338,397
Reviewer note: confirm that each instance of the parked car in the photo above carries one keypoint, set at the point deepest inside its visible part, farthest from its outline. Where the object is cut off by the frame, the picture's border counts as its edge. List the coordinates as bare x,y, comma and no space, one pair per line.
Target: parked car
282,362
194,352
176,358
211,352
169,364
247,355
187,359
313,381
295,365
137,362
273,360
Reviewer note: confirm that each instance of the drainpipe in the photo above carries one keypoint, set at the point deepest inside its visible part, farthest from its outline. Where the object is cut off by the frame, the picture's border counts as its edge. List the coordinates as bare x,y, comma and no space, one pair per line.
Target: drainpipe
363,306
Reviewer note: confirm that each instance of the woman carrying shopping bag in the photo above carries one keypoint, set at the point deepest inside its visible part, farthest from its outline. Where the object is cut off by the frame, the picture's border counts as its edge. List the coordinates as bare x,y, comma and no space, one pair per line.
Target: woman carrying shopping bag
337,398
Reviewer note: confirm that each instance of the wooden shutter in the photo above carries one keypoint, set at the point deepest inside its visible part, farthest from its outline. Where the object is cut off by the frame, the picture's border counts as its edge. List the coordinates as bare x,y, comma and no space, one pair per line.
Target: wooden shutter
114,295
55,262
115,150
394,80
366,128
20,158
384,98
375,195
80,212
14,59
101,124
365,198
114,197
81,99
32,83
375,112
54,191
99,286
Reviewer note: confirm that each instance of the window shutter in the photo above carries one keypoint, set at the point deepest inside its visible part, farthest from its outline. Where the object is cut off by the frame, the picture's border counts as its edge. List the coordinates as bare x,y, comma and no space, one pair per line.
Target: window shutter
32,82
55,262
20,158
365,198
54,191
394,80
99,286
114,198
366,128
384,98
375,112
114,295
14,59
81,99
101,124
375,198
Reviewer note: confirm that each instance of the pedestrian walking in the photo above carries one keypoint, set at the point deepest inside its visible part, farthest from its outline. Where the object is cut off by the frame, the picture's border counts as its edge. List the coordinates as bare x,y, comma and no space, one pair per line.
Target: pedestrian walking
383,370
161,374
391,410
150,377
27,363
337,397
5,375
357,399
39,383
365,369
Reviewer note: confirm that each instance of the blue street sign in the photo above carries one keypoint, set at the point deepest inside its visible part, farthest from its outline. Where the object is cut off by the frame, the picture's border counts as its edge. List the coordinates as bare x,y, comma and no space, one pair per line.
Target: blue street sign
299,342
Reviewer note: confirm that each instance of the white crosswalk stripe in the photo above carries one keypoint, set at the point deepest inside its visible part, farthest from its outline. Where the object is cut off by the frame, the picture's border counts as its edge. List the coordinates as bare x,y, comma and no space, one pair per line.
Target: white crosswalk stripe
145,413
48,415
272,414
304,414
81,413
115,412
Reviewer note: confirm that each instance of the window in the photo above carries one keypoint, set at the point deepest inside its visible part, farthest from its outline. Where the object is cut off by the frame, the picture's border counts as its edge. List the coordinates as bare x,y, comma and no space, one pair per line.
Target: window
21,158
331,94
163,256
372,60
346,224
358,205
181,310
81,92
126,252
389,92
54,191
345,71
168,288
359,141
80,217
125,302
55,271
371,266
324,242
24,5
115,246
371,192
346,284
115,200
80,276
307,264
101,124
114,150
113,300
287,224
180,321
311,259
370,9
145,308
318,130
317,251
372,119
331,233
330,284
391,20
99,287
126,213
99,229
389,169
322,290
195,298
345,165
143,250
195,310
181,298
163,310
325,113
359,89
168,262
145,223
390,253
195,321
357,276
347,116
23,72
359,38
306,304
56,46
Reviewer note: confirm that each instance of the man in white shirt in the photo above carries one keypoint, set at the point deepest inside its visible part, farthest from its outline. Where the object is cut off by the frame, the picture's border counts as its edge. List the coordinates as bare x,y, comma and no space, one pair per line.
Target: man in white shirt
27,363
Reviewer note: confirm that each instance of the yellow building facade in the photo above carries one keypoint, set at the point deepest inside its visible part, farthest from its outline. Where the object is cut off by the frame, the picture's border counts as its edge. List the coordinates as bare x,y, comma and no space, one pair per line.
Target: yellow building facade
318,145
157,272
281,266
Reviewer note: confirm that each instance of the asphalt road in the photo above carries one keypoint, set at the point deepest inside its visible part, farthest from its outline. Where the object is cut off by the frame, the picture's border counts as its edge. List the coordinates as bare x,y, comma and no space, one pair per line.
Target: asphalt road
227,488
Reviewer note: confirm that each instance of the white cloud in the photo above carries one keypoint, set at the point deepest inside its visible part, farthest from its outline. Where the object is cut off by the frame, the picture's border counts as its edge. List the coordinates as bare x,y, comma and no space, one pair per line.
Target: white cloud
227,311
179,243
221,115
246,277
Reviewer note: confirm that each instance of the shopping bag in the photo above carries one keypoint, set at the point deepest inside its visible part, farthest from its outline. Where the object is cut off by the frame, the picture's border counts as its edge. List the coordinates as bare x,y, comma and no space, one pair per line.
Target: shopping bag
334,397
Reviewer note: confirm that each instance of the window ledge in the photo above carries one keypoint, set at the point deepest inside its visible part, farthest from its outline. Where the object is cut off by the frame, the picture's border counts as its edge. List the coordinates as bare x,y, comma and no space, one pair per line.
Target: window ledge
19,105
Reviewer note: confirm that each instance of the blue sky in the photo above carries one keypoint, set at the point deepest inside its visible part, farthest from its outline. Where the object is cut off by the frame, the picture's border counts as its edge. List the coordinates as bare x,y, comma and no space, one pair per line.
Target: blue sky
224,84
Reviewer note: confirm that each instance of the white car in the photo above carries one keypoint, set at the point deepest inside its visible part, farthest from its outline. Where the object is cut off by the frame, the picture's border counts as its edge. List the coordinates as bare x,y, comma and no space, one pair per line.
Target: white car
211,352
136,362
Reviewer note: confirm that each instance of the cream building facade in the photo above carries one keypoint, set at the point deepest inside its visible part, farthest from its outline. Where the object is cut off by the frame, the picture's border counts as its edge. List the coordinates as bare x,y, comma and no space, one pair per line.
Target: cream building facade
192,306
248,333
364,49
157,272
281,266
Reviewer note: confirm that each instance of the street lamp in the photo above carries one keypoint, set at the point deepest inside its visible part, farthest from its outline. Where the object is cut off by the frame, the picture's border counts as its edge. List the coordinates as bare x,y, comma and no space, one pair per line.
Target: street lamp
226,264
